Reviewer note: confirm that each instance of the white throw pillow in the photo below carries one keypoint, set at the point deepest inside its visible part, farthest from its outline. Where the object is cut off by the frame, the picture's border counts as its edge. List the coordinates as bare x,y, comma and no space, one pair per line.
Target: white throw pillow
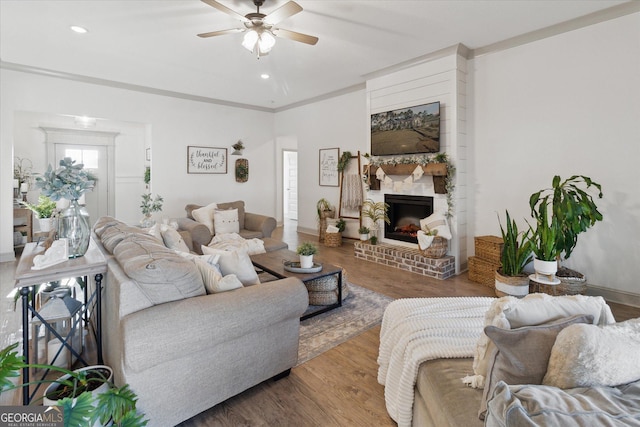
154,230
533,309
235,262
204,215
173,240
226,221
437,221
213,280
588,356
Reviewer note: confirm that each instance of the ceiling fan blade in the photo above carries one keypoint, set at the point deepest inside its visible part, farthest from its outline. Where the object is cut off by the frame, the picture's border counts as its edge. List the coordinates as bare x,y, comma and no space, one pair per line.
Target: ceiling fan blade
220,33
282,13
292,35
225,9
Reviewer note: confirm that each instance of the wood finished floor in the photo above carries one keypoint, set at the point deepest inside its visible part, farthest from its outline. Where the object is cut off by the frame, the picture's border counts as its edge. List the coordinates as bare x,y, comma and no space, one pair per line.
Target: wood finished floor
340,387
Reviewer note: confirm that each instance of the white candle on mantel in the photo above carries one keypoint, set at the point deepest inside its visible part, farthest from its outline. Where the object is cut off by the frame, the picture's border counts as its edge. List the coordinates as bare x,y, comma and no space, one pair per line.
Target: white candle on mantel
24,187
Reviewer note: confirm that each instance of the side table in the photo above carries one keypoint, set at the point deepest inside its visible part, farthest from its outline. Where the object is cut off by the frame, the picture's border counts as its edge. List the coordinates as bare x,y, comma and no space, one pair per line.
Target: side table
92,263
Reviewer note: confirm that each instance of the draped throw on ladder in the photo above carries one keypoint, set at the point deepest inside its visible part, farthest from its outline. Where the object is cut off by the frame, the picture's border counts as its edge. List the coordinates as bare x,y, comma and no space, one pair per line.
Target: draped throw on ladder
352,197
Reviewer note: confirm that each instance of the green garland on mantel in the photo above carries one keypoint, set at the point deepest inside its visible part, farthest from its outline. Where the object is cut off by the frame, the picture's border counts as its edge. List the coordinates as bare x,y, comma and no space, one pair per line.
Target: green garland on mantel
422,160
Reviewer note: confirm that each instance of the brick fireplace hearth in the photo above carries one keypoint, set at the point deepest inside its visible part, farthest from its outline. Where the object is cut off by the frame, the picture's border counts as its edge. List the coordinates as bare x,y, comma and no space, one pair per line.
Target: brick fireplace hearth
408,259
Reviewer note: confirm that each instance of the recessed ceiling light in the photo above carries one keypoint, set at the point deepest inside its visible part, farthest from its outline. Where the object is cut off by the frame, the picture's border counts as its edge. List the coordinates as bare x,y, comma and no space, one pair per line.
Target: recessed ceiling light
78,29
264,76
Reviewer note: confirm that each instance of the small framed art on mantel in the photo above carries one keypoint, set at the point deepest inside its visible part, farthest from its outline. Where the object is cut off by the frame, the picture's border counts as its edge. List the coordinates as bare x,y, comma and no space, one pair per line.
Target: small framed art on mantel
329,167
206,160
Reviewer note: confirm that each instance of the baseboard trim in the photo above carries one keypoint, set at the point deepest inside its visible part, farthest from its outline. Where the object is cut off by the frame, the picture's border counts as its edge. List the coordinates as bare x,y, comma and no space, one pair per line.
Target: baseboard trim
312,231
612,295
7,257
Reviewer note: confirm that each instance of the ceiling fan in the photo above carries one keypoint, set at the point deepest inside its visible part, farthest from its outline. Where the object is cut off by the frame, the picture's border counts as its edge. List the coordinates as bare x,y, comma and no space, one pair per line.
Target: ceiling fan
261,29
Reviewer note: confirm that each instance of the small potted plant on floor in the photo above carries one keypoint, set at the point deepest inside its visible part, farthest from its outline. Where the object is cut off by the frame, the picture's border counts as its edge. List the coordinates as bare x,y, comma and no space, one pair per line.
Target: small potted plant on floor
544,245
376,212
364,233
516,254
306,251
44,212
90,397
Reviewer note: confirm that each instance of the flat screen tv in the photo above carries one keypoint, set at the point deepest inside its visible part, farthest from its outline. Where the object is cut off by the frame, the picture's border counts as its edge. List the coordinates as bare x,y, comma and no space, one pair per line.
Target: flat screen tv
406,131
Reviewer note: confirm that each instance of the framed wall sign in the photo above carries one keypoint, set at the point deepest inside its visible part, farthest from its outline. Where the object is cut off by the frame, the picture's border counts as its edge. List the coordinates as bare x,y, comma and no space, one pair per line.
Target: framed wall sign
329,167
206,160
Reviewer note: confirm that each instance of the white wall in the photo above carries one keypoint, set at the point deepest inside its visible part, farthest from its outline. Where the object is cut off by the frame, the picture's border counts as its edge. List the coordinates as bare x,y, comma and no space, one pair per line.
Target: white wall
337,122
173,125
565,105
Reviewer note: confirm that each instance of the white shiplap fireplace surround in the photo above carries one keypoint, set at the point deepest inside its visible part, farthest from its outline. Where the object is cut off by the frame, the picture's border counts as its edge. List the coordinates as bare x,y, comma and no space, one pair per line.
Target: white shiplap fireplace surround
441,77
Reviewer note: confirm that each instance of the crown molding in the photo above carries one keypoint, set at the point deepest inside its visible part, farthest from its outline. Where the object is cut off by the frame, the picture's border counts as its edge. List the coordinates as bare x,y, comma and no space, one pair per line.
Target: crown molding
339,92
560,28
126,86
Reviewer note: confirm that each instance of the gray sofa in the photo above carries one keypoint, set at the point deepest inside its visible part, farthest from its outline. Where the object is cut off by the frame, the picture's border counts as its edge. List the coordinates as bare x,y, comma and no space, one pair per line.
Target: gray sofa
252,225
182,350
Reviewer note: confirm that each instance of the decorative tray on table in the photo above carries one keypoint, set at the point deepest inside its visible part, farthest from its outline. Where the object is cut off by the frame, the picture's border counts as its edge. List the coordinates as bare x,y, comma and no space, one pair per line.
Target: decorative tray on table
294,267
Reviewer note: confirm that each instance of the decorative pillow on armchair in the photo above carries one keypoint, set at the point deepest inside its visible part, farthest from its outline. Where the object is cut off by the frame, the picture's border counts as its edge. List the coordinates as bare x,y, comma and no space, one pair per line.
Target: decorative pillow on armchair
226,221
204,215
588,355
521,355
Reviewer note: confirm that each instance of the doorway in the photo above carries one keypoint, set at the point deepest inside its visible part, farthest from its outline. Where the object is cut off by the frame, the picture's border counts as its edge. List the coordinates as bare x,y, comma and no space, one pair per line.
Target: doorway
290,184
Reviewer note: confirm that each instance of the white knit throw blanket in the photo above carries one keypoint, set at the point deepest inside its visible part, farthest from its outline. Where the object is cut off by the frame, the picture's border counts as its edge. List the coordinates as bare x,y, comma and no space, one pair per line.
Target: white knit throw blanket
419,329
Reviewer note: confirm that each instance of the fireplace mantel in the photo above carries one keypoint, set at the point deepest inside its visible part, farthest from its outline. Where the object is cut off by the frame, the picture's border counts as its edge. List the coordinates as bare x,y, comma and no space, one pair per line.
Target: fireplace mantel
437,170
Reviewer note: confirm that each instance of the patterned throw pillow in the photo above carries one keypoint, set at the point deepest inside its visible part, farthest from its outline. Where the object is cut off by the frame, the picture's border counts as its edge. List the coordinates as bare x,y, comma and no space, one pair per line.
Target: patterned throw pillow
226,221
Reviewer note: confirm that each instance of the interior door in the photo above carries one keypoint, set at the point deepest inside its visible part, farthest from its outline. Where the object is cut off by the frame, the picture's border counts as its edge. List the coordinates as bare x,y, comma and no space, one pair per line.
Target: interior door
95,160
290,181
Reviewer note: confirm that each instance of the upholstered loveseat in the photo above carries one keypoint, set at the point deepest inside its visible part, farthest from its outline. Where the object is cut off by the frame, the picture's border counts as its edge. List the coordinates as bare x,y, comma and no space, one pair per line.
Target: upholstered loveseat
556,382
181,349
250,225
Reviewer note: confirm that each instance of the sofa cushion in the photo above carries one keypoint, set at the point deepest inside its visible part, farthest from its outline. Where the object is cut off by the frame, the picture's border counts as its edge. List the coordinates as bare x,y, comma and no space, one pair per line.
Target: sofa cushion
588,355
226,221
235,262
161,274
239,204
115,234
539,405
103,223
173,240
534,309
521,355
204,215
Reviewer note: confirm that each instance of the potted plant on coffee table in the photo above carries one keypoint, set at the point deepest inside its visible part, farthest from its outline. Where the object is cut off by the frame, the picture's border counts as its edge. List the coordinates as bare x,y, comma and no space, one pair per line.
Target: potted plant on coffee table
516,254
90,398
570,203
306,251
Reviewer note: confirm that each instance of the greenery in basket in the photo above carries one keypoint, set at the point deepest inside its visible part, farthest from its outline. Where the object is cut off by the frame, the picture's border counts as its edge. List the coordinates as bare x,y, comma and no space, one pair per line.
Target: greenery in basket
572,208
44,208
116,405
341,224
323,205
516,251
150,205
69,181
363,230
306,249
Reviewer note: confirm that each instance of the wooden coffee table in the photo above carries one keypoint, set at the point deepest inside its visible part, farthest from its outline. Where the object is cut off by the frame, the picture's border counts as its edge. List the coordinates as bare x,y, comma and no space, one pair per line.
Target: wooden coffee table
273,263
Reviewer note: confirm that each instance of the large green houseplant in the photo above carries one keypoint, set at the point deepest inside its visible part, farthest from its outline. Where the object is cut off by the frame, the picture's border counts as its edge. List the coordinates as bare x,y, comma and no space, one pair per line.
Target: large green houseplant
375,211
115,406
516,254
561,213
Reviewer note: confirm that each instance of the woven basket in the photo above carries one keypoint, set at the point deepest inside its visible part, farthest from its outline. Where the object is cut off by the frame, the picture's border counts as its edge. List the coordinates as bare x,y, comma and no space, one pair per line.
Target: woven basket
489,248
329,294
333,240
438,248
322,223
519,285
481,271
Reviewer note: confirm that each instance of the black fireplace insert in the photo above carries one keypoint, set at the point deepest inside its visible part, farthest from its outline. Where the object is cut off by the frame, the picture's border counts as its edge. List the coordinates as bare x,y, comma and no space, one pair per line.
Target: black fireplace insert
405,213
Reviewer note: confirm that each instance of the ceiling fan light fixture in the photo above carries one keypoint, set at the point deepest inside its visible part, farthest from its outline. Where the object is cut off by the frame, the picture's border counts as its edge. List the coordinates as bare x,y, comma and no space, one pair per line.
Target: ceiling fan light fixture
250,39
266,41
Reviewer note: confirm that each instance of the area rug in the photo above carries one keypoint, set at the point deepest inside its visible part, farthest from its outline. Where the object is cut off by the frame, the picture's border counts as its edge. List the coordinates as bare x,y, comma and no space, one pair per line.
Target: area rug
361,310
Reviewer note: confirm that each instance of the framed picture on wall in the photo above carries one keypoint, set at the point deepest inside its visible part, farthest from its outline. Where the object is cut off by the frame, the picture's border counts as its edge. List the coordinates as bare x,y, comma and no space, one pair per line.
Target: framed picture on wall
328,162
206,159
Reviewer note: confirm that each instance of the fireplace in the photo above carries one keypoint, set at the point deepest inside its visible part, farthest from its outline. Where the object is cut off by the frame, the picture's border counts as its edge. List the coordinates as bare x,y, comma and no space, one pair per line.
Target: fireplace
405,213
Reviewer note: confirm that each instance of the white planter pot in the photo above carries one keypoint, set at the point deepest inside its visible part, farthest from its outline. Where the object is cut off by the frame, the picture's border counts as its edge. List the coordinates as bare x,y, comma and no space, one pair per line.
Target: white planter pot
545,268
306,261
103,387
46,224
364,237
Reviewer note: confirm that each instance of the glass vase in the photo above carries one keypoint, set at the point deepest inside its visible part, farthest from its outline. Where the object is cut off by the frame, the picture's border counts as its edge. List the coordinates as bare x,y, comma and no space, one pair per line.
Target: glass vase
73,225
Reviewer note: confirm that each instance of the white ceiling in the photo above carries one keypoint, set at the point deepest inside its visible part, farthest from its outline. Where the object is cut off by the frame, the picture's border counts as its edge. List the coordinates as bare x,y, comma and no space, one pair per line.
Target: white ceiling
153,43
